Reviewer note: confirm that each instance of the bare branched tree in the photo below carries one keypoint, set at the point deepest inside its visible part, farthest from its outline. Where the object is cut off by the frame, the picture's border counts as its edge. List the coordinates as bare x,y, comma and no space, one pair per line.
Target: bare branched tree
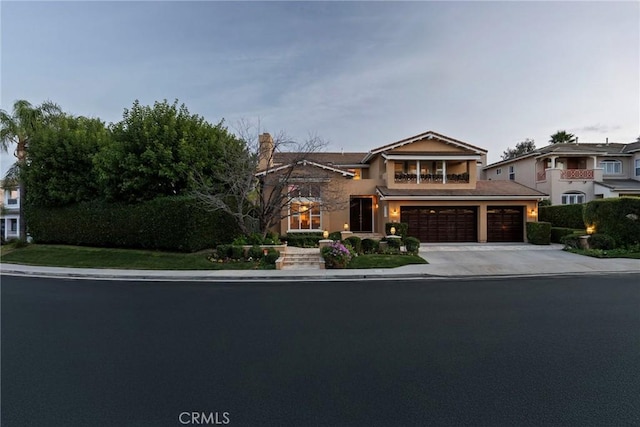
263,176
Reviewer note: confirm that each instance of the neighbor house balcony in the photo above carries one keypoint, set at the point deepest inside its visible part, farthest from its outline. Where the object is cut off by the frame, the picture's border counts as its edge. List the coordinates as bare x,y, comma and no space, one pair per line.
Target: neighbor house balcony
569,175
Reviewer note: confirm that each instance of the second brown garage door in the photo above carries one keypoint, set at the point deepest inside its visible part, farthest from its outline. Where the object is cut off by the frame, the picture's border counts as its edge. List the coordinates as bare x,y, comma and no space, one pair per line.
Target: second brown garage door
505,224
441,224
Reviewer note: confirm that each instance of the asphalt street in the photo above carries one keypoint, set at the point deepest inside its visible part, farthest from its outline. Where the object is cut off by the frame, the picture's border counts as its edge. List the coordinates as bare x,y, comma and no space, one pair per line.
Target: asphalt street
513,352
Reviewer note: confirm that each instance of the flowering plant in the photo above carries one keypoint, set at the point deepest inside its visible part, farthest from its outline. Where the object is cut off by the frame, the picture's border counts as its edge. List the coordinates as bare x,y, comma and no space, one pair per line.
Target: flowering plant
336,255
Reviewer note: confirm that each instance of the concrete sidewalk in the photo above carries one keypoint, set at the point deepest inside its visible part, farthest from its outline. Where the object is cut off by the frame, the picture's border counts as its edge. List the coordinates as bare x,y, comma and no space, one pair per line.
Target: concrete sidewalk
451,260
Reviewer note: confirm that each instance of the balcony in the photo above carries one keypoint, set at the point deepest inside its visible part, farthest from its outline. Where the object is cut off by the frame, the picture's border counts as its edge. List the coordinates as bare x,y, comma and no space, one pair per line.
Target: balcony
584,174
412,178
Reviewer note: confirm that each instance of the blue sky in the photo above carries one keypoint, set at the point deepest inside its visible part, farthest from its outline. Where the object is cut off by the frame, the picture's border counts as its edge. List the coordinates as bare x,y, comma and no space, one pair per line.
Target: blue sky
357,74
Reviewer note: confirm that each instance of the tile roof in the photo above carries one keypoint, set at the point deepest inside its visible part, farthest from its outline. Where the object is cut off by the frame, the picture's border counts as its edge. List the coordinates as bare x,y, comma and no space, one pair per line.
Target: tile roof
620,184
335,159
484,188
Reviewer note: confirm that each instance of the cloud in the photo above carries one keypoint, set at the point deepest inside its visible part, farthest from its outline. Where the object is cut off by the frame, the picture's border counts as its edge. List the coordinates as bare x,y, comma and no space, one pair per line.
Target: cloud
598,128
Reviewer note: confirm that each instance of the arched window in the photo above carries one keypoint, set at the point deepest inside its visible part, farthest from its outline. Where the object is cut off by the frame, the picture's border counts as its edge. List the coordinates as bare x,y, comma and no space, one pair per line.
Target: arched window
572,198
611,167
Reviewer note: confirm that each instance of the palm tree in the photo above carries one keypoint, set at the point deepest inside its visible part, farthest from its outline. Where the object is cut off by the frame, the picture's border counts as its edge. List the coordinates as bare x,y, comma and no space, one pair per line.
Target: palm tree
17,128
562,137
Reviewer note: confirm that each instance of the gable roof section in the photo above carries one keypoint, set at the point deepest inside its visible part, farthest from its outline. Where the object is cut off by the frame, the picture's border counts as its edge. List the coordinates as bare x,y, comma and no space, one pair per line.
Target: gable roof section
425,135
586,149
485,190
306,162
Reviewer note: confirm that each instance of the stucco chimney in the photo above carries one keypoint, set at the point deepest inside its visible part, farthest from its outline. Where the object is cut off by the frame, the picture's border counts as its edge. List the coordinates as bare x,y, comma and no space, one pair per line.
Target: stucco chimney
266,147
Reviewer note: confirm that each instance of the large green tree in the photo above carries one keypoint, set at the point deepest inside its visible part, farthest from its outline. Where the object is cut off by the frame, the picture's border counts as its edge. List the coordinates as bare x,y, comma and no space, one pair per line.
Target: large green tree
562,137
523,147
16,129
155,150
60,167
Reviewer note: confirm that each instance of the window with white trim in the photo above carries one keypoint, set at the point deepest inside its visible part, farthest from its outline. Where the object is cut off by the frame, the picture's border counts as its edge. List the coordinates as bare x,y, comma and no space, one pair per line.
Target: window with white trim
512,173
13,225
637,167
572,198
611,167
499,171
304,216
12,197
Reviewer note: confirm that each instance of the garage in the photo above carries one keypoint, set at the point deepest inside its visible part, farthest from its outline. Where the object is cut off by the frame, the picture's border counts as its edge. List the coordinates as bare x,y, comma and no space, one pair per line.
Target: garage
442,223
505,224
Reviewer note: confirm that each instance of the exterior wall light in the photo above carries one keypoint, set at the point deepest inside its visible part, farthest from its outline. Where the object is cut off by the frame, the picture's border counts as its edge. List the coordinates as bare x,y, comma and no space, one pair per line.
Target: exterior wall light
533,212
591,229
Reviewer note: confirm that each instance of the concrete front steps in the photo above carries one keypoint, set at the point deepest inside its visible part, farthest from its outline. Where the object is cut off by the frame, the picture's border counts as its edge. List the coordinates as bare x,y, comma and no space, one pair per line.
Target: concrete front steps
299,260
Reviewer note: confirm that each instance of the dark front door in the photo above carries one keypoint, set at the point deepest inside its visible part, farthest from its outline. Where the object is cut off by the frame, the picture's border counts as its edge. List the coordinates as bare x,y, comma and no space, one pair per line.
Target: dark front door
361,214
441,224
505,224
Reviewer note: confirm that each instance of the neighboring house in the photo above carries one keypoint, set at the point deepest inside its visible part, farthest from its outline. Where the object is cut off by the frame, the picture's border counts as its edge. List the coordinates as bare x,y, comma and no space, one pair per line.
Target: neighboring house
575,173
10,212
430,181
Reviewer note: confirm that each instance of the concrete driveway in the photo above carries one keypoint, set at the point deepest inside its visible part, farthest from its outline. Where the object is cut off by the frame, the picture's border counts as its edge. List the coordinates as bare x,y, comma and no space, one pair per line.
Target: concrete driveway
515,258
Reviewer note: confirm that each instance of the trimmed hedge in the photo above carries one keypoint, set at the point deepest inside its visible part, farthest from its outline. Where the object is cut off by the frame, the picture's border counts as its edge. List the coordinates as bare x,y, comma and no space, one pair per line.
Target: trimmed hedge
539,233
557,233
617,217
356,243
167,223
412,244
303,240
569,216
370,246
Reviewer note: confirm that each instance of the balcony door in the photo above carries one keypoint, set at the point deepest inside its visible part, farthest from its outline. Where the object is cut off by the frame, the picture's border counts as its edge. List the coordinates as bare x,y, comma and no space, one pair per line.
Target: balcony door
361,214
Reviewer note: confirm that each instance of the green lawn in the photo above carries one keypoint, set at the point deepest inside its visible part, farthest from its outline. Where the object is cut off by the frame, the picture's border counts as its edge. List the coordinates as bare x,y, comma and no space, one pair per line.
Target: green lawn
78,256
385,261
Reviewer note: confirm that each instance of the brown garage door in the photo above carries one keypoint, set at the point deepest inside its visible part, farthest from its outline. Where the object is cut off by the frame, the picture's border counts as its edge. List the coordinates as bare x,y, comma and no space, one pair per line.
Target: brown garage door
441,224
505,224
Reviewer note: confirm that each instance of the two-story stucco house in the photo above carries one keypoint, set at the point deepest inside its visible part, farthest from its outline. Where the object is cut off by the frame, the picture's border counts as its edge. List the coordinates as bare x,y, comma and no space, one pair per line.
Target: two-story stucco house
575,173
430,181
10,212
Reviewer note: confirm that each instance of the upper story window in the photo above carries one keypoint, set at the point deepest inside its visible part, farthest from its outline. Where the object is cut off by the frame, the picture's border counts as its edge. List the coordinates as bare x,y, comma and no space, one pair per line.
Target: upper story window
572,198
512,173
611,167
12,197
637,167
499,171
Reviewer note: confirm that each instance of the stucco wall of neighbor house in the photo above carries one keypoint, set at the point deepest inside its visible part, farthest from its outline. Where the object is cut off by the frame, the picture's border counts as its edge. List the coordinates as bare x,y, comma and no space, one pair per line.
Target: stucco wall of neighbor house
604,191
627,169
528,216
636,157
525,172
560,186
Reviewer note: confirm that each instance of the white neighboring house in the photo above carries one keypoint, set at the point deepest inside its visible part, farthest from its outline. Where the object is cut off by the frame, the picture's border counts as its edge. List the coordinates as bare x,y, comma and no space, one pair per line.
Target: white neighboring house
576,172
10,212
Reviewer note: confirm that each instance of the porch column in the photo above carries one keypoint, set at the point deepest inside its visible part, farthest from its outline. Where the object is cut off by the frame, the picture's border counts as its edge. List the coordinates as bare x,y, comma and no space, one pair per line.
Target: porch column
418,172
595,162
553,162
444,171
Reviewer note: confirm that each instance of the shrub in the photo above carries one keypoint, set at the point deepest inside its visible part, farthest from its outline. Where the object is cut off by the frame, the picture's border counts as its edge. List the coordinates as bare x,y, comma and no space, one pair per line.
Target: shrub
240,240
223,251
393,243
401,228
569,216
255,252
539,233
601,241
412,244
336,255
617,217
558,232
271,257
168,223
237,252
336,235
570,241
356,243
19,243
370,246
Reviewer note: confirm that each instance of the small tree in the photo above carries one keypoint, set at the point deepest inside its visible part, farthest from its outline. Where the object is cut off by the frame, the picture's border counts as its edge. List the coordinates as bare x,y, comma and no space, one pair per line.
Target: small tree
524,147
562,137
258,191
